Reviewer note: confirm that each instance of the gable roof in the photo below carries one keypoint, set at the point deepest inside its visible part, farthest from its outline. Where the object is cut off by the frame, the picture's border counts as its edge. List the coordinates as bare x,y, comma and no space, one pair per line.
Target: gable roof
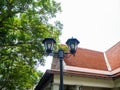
85,58
91,61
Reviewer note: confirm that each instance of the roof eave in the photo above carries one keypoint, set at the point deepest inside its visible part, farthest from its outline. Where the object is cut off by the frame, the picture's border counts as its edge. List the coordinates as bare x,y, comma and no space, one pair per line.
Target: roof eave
48,76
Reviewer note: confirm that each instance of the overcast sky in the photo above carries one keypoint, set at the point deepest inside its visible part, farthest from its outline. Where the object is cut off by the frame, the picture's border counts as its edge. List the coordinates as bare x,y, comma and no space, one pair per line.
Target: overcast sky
95,23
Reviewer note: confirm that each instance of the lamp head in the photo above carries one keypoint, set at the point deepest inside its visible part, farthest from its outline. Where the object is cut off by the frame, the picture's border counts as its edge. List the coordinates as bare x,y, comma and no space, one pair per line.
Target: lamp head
49,44
72,44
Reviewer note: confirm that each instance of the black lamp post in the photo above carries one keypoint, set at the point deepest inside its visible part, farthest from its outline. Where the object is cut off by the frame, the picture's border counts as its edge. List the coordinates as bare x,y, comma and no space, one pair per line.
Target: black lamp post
49,45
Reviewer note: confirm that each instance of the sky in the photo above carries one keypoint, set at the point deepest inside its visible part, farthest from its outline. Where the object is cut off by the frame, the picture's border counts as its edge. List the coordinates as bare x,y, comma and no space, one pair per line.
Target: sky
95,23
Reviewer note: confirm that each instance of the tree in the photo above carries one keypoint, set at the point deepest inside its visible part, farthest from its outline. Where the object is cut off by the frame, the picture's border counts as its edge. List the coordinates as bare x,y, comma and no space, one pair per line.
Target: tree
23,26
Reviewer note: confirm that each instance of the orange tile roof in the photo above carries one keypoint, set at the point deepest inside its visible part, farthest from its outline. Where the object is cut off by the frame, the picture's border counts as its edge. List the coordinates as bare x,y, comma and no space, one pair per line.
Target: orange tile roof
95,62
87,59
113,56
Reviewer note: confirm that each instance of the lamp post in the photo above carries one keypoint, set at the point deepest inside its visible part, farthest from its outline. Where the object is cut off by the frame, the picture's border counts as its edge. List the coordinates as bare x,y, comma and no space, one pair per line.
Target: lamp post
49,45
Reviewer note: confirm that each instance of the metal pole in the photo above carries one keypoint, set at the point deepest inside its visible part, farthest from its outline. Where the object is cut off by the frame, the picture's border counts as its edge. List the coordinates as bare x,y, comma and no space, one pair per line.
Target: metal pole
61,56
61,74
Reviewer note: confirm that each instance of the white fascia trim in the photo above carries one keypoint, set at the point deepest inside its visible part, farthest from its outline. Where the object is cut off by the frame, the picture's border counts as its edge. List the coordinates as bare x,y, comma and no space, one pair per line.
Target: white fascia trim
115,71
107,63
87,70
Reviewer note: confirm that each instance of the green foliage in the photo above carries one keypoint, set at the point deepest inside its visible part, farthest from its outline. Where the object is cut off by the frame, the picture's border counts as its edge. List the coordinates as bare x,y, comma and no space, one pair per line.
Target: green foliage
23,26
64,47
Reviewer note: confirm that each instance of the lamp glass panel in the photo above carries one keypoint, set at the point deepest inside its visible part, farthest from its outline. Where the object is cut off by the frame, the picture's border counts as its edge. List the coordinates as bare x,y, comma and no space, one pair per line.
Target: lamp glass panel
46,45
49,45
72,46
76,45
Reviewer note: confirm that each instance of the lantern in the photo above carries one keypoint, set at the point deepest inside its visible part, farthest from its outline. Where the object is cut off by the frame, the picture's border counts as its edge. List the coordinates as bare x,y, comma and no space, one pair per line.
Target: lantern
49,44
72,44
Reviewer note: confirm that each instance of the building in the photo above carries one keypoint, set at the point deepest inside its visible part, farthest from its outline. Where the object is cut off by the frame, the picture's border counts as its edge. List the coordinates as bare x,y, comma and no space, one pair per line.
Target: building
87,70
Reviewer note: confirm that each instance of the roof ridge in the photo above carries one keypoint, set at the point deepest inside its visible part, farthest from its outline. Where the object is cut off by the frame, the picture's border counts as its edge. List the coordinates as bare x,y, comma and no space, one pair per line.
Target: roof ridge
106,61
